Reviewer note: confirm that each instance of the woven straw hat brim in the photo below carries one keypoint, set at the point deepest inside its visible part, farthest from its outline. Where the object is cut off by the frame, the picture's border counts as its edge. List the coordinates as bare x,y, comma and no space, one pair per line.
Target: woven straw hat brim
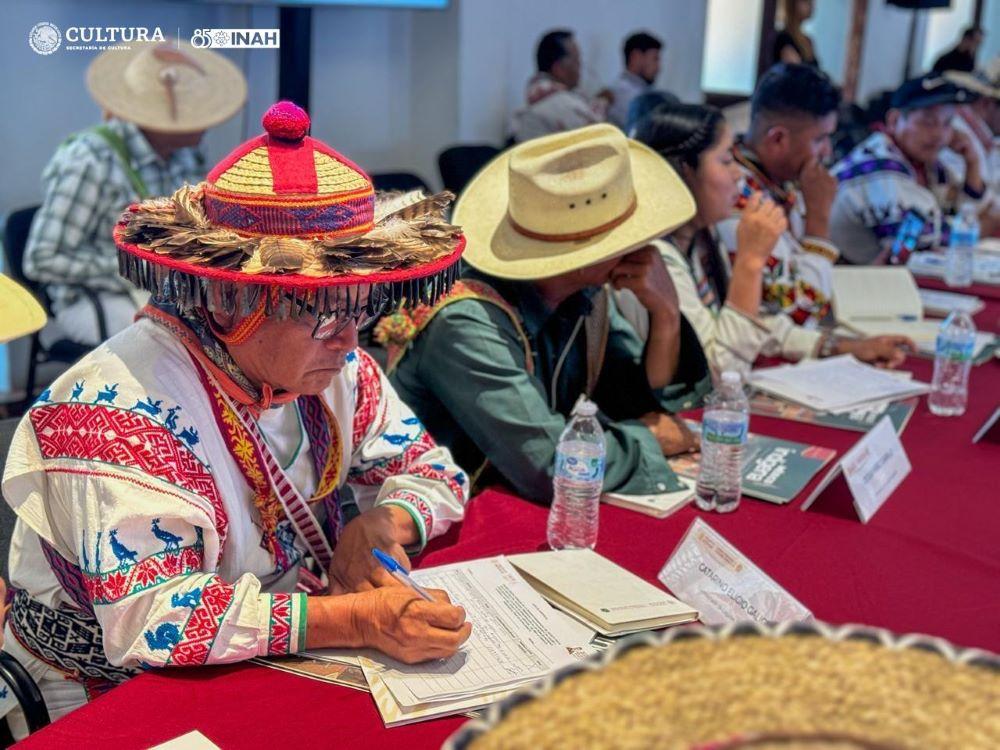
106,81
663,203
20,313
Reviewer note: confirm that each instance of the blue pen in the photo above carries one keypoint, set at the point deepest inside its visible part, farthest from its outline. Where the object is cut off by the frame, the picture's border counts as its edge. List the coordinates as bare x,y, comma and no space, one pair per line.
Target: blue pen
398,572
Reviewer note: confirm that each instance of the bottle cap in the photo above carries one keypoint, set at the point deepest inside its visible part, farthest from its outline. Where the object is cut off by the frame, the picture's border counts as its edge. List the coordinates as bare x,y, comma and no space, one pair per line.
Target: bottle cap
584,407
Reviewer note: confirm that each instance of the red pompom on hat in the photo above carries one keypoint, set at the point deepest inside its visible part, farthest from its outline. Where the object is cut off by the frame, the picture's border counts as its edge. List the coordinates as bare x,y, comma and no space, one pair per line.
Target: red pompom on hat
287,121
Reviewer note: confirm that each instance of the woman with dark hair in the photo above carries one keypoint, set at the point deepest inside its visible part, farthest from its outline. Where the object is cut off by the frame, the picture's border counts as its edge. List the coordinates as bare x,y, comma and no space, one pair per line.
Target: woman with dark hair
792,44
720,298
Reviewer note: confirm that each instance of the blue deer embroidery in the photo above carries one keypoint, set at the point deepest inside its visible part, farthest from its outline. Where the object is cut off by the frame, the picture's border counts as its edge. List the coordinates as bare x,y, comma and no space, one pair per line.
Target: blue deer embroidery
152,408
171,541
190,599
45,396
77,391
411,421
189,435
108,394
167,636
123,553
3,692
171,421
393,439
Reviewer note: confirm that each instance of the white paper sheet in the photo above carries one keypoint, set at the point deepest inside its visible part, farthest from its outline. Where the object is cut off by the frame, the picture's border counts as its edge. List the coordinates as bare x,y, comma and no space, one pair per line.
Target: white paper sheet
710,573
835,384
516,636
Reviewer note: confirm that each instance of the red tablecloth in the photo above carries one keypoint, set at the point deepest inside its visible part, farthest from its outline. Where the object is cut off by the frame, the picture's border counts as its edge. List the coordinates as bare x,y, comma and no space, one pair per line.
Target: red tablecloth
928,562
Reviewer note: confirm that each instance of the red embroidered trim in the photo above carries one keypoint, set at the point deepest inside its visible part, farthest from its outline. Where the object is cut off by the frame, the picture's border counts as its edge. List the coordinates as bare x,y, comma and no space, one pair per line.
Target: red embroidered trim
128,440
369,396
396,465
280,635
111,586
203,626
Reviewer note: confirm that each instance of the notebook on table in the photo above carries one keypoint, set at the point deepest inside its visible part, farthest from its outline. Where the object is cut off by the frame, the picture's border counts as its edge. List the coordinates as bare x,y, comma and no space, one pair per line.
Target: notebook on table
603,595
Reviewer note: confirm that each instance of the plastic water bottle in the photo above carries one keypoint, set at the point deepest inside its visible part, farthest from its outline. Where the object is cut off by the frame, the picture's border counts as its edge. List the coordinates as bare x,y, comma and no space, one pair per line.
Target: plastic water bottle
579,476
724,427
952,362
962,247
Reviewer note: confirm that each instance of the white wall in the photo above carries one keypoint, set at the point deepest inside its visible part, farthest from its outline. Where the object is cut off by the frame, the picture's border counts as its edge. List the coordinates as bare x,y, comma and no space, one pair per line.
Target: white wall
884,55
829,28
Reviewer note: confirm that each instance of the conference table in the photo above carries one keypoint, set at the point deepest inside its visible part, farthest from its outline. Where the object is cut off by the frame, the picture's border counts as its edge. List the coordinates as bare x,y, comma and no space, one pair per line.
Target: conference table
928,562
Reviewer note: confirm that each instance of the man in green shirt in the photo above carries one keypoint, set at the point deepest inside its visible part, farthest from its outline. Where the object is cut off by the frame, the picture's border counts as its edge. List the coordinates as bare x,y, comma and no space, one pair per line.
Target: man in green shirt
494,369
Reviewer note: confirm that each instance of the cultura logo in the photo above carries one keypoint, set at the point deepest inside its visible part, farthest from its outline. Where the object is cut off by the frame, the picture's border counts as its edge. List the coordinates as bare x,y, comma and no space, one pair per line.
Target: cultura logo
44,38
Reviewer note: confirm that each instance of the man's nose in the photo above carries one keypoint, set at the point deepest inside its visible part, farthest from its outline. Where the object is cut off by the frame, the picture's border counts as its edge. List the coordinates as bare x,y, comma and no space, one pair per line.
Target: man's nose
346,339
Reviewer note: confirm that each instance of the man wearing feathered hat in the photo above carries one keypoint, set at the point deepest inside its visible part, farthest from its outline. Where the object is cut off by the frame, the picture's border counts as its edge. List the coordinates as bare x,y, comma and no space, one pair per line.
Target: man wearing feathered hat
159,98
180,488
495,368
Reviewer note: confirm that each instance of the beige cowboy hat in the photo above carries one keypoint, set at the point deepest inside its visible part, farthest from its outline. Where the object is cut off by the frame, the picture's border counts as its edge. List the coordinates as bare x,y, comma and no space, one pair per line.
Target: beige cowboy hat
20,313
168,86
978,83
567,201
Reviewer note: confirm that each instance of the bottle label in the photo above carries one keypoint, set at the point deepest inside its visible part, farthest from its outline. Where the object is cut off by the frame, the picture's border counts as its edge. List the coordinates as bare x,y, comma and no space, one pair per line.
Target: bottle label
956,351
579,468
724,431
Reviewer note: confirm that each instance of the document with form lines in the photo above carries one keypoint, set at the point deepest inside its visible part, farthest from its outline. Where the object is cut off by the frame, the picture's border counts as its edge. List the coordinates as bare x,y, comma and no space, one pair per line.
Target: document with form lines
516,637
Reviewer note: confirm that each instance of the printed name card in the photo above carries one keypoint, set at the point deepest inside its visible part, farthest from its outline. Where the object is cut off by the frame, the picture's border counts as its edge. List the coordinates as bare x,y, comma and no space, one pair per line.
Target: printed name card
874,467
711,575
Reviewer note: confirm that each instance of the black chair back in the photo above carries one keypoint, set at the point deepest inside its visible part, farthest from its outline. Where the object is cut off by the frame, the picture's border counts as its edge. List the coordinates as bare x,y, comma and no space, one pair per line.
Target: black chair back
405,181
15,239
459,164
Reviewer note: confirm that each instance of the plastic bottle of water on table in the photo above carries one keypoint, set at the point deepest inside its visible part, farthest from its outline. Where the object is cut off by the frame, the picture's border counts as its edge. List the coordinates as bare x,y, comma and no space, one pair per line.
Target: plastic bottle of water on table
578,479
952,362
962,247
724,428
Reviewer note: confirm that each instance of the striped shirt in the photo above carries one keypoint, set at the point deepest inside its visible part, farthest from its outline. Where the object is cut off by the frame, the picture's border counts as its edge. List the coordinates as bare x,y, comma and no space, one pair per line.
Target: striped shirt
86,187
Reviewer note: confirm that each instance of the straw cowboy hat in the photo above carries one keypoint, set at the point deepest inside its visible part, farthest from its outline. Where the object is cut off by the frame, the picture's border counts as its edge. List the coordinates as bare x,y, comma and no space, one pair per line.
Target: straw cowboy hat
566,201
20,313
168,87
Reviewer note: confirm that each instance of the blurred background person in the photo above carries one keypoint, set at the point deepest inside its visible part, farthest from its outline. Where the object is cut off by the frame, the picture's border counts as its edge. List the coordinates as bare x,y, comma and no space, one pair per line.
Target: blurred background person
642,54
961,57
792,44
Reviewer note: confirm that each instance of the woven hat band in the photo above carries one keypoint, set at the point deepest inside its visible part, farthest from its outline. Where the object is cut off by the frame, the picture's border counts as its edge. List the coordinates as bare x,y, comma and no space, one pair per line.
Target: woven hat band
354,215
584,234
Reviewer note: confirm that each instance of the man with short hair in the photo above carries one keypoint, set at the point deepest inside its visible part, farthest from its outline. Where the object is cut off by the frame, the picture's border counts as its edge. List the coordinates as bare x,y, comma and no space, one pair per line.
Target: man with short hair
553,102
494,369
793,115
899,171
962,57
642,53
159,99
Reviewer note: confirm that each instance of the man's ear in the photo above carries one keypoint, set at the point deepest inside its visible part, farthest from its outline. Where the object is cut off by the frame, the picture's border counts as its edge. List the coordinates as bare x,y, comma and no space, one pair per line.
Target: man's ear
777,135
892,118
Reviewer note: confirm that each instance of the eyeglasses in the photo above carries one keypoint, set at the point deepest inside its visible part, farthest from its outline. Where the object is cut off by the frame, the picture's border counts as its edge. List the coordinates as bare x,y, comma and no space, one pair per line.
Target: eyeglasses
331,325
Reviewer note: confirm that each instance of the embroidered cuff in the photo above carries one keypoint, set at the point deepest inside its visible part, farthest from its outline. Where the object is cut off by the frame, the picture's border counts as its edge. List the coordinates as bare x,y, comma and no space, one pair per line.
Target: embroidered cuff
976,195
419,510
286,629
821,247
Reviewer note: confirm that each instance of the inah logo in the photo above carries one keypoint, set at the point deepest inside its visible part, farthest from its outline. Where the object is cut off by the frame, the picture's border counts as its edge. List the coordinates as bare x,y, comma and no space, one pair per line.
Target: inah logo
44,38
236,38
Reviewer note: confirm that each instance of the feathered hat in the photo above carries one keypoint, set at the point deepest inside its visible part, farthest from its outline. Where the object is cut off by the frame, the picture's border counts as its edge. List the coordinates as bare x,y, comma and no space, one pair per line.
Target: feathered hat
287,225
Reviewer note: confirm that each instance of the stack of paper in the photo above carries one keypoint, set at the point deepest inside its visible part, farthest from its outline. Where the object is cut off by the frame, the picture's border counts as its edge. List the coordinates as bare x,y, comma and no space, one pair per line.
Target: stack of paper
659,505
940,304
516,638
601,594
837,384
985,265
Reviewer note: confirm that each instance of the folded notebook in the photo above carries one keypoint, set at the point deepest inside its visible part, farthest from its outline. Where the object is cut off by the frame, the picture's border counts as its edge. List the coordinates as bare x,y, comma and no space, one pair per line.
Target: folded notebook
603,595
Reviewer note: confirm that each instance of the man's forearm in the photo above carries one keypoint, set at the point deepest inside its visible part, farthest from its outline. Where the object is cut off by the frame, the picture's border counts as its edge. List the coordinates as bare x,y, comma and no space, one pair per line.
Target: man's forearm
662,348
330,622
